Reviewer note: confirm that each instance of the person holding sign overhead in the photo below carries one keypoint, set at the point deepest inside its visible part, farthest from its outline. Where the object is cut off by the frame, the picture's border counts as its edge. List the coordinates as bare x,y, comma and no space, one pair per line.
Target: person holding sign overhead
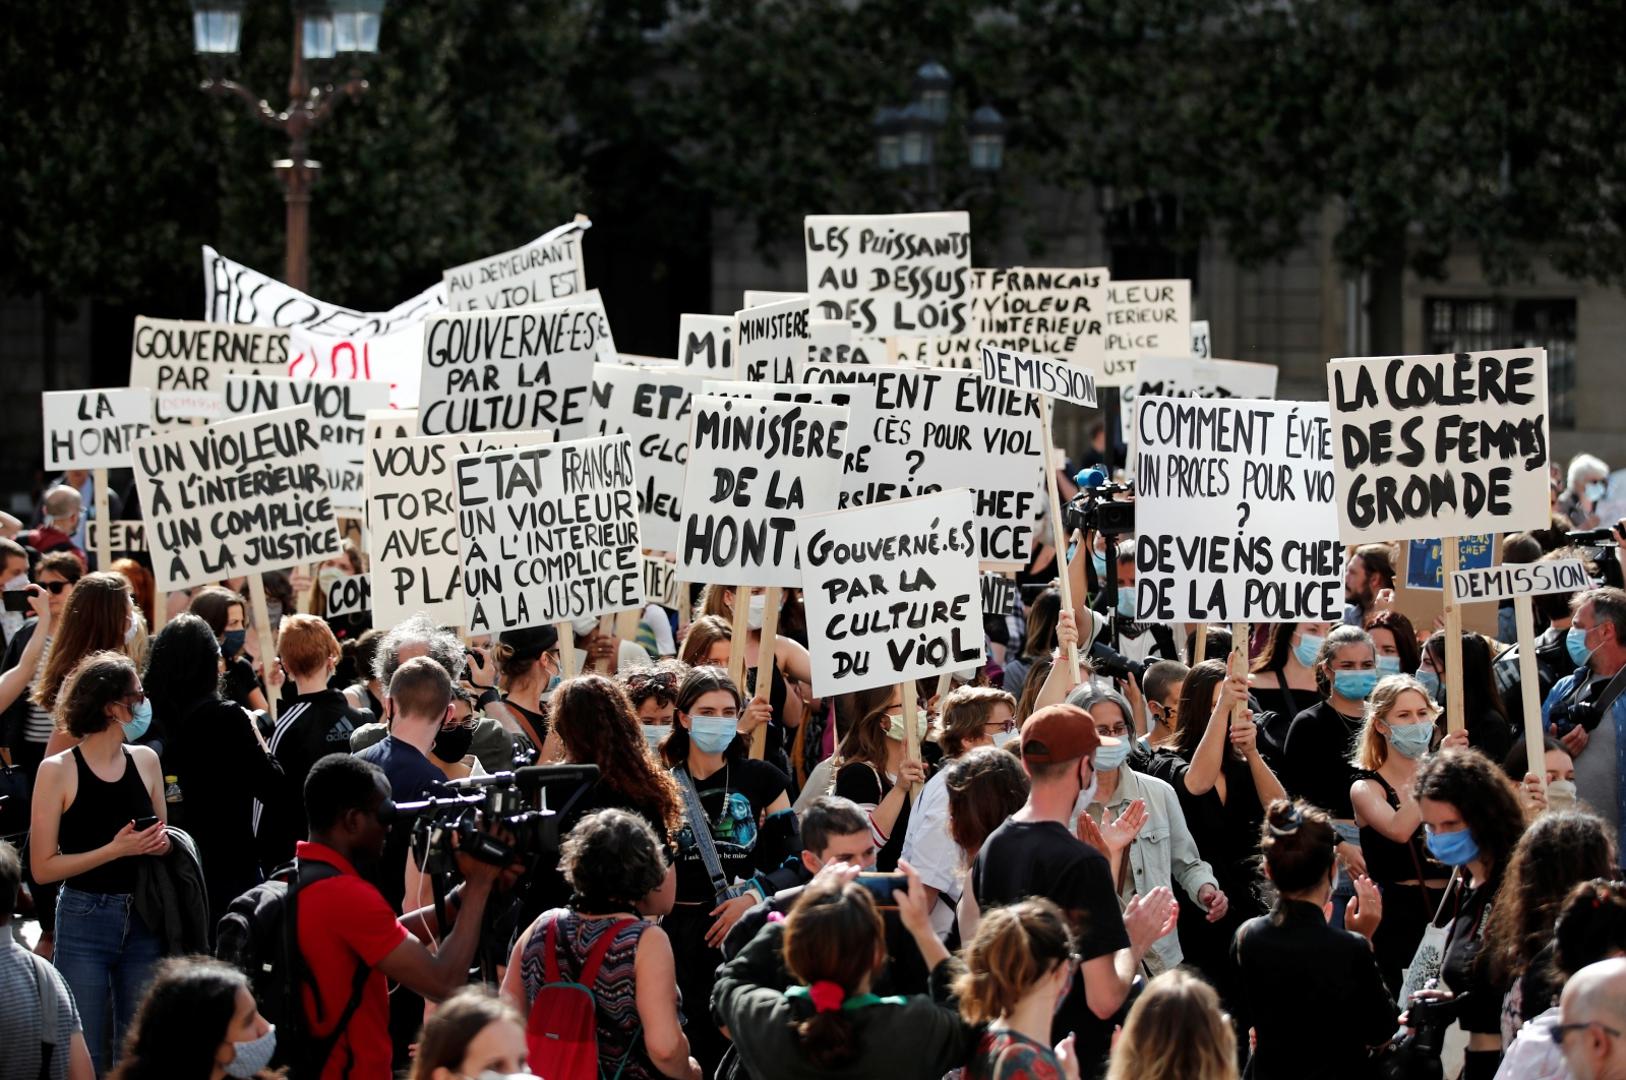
877,774
737,826
1283,679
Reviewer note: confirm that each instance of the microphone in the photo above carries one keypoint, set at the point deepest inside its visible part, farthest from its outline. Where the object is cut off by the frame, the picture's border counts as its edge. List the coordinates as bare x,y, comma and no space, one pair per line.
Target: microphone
1092,477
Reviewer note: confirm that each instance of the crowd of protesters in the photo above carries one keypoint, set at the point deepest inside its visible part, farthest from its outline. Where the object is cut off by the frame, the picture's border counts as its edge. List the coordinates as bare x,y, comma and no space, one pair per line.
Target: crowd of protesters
1273,862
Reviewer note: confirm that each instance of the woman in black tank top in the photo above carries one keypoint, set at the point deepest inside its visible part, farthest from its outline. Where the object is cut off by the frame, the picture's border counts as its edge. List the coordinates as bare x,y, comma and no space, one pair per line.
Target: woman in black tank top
527,662
87,803
1399,730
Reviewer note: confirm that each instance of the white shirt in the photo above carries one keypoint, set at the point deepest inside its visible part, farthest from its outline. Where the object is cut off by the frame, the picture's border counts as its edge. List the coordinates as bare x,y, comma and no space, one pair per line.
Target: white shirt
928,847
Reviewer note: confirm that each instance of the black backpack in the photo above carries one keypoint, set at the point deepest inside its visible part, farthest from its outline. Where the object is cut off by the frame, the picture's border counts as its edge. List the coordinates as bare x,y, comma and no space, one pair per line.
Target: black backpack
257,935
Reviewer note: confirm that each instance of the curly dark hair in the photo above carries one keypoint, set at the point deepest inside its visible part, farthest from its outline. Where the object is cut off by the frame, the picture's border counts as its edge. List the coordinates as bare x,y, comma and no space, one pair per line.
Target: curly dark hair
1482,794
597,725
1554,855
101,679
660,682
1591,926
184,1017
612,858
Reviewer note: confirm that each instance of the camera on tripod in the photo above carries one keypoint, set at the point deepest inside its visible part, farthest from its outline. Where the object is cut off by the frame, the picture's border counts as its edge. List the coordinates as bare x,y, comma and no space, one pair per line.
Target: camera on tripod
515,803
1094,509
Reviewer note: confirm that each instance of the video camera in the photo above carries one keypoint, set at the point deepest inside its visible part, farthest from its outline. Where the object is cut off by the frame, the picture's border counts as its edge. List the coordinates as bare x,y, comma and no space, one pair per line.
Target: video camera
1600,545
1094,509
513,802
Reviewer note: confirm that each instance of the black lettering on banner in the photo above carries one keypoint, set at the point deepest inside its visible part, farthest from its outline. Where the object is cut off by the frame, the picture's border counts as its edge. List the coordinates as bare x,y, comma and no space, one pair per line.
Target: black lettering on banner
998,594
1440,445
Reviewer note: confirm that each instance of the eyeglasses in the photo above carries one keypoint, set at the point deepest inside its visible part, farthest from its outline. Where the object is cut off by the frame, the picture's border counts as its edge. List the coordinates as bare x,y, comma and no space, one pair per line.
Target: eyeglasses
1562,1031
55,588
138,697
1000,725
1118,732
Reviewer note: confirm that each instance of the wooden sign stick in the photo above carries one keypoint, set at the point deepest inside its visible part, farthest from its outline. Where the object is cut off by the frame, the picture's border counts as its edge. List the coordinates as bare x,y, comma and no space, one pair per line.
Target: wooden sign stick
767,659
739,632
1239,653
1201,652
911,727
1057,533
1524,618
104,527
606,627
268,638
1451,677
567,649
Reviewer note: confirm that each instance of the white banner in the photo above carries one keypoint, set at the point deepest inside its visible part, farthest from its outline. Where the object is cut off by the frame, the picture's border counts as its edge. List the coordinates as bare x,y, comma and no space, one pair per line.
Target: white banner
1050,311
237,497
890,274
1431,446
1234,513
661,582
549,533
94,429
891,591
1039,375
351,594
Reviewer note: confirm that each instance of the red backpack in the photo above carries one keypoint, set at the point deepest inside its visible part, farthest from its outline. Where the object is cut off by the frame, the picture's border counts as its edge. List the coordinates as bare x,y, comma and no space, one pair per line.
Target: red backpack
561,1034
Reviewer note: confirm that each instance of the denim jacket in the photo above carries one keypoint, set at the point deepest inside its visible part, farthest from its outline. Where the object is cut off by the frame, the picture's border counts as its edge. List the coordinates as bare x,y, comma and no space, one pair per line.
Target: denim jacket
1163,853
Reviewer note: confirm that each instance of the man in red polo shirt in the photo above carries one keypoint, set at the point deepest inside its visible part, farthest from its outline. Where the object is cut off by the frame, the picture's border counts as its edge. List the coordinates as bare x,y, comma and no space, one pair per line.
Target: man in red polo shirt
345,921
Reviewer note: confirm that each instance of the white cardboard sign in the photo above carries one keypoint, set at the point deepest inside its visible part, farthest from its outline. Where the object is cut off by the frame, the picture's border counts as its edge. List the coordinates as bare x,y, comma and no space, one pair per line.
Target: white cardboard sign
1510,580
1431,446
771,341
650,404
754,466
412,534
184,363
94,429
891,274
341,408
239,496
351,594
548,268
1039,375
1144,317
892,591
661,582
706,343
549,533
1051,311
1234,513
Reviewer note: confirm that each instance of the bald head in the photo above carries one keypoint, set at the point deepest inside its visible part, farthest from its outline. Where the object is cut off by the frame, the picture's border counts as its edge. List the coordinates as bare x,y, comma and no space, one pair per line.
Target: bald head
62,504
1596,998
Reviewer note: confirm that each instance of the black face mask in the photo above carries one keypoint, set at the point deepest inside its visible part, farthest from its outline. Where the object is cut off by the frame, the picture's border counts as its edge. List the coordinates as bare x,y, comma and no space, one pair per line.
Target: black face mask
452,743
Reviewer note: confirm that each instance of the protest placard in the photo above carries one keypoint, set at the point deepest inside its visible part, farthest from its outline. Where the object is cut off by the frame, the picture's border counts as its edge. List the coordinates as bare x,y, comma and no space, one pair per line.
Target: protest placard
328,340
1440,445
1051,311
1144,317
548,533
706,342
548,268
892,591
521,369
412,521
1425,563
1511,580
891,273
771,341
350,594
125,539
1192,376
94,429
1234,515
240,496
184,363
661,582
998,594
1039,375
938,428
652,406
341,408
390,424
1201,345
831,341
753,467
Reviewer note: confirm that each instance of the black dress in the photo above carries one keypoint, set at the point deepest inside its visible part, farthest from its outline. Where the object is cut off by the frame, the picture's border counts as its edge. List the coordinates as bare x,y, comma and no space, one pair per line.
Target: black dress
1406,908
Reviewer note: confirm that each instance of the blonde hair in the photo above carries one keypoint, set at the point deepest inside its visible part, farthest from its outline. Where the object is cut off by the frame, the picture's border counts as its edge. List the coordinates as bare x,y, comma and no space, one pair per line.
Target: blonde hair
1015,947
1175,1031
1371,748
713,600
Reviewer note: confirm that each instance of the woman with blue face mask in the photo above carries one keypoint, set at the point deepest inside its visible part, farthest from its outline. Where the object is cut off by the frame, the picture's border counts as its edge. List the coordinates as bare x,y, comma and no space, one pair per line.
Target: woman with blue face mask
1316,755
742,806
1282,680
86,805
1473,819
200,1021
1400,728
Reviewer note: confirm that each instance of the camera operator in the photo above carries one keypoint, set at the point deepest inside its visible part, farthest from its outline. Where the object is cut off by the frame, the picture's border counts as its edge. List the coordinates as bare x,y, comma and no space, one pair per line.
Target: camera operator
1587,709
349,937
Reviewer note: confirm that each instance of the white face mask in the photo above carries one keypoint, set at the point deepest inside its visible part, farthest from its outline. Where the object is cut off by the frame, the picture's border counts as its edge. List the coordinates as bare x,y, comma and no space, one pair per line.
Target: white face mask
755,611
18,581
1003,738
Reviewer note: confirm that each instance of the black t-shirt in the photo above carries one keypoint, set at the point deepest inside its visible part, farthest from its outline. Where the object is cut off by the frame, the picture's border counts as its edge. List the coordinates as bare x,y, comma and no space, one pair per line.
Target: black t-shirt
240,681
1041,858
734,799
867,786
1316,766
1461,970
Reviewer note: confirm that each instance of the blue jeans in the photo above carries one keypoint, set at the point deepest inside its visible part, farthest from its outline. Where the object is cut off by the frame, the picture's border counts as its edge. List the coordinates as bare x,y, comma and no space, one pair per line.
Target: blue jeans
1343,890
107,955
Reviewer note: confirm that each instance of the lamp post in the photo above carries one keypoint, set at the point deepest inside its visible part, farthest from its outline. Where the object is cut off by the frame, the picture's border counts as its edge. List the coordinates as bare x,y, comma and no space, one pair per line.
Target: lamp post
906,138
322,33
